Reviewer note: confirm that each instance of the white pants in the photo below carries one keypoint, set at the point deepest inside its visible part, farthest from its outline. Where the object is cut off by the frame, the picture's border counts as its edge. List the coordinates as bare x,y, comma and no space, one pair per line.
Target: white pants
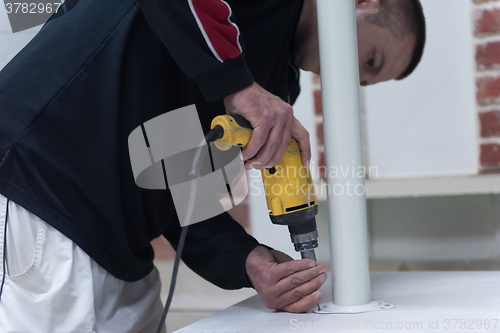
50,285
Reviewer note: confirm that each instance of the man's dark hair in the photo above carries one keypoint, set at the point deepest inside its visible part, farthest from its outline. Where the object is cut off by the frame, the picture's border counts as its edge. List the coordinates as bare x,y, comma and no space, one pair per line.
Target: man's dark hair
403,17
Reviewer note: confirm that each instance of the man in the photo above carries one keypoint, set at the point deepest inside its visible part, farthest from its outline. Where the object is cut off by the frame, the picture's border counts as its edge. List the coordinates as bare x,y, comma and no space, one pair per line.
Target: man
74,227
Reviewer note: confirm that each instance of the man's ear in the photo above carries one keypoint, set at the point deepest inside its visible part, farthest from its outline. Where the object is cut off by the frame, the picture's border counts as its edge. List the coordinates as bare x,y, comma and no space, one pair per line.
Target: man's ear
367,7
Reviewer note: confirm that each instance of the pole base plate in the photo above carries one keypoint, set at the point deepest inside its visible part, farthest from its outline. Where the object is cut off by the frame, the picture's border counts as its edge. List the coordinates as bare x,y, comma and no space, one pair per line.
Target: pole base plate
331,308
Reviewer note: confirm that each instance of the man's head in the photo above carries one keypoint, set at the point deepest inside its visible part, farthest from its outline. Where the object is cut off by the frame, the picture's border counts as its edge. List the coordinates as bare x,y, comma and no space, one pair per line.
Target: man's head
391,39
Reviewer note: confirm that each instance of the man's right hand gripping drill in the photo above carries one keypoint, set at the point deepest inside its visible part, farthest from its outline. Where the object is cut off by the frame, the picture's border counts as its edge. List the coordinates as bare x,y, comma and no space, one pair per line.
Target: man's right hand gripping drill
273,125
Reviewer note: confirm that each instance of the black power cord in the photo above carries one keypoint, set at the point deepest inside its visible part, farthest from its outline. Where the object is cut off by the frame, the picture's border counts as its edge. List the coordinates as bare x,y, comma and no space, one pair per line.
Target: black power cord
212,135
174,278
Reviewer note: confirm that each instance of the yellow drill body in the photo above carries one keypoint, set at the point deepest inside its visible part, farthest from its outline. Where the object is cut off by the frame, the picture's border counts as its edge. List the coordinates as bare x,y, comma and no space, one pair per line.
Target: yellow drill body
288,185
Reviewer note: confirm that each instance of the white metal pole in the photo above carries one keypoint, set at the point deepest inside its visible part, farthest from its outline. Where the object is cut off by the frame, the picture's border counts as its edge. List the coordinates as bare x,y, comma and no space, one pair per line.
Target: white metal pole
344,152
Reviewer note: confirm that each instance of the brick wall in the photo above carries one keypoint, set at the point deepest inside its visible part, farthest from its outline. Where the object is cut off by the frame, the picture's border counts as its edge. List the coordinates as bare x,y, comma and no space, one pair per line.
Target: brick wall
486,17
318,113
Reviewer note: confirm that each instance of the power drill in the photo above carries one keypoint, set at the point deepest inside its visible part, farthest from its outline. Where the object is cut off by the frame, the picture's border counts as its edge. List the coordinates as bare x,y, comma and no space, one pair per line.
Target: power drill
288,185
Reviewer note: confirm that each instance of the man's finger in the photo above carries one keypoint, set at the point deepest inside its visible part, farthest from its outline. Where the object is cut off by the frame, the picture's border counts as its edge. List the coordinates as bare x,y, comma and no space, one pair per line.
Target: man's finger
305,304
302,136
270,148
285,137
259,137
294,280
300,292
285,269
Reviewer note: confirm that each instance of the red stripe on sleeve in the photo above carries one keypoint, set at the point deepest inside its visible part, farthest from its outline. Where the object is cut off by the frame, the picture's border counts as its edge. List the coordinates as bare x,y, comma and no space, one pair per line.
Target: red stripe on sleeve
220,32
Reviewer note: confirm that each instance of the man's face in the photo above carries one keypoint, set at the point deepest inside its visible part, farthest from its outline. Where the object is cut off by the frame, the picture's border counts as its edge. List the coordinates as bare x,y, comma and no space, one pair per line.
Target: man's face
382,56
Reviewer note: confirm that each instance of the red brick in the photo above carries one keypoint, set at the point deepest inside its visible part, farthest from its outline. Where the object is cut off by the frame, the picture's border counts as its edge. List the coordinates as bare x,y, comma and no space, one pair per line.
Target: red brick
488,55
319,133
487,21
318,106
490,155
488,90
490,123
321,165
481,1
316,78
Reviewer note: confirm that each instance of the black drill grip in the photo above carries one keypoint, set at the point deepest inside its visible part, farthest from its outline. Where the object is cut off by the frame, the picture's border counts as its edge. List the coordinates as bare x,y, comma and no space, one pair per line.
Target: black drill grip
241,121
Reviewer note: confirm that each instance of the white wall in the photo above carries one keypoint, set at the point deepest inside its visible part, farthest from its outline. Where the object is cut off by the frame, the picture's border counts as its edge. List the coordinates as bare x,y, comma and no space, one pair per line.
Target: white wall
426,124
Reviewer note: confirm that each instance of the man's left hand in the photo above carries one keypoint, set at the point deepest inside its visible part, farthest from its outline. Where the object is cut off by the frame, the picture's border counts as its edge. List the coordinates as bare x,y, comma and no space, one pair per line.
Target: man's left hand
283,283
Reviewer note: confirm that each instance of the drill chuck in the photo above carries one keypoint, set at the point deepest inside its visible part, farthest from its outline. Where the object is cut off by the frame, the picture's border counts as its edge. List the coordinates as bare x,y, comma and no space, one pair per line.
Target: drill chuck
304,237
305,242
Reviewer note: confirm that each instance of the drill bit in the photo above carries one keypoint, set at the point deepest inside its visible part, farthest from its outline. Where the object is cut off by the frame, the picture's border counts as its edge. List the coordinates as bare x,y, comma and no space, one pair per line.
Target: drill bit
308,254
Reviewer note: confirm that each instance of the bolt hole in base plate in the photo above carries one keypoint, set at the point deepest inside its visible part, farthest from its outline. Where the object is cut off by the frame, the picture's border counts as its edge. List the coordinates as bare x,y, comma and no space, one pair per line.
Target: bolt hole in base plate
331,308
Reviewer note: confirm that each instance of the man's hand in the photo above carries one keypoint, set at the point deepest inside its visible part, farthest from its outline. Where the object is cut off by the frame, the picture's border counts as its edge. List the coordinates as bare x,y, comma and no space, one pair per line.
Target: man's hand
284,283
273,125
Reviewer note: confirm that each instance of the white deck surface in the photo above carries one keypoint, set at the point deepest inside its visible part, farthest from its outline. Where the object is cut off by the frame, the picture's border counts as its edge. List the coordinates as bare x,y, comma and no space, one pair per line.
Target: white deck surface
425,302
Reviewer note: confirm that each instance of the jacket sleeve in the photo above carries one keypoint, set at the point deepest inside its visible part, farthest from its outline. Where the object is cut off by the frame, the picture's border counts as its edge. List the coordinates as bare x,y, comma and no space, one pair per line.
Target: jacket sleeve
216,249
204,41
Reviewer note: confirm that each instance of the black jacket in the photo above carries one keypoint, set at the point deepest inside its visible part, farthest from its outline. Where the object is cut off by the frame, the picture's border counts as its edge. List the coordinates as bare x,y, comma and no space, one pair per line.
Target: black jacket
69,100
